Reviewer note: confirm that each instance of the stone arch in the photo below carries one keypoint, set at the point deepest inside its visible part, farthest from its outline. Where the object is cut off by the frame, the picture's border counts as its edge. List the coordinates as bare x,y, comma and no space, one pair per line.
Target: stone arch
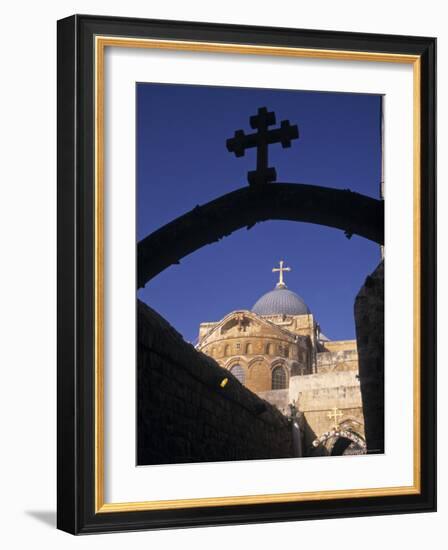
256,359
270,348
340,446
340,441
353,425
349,443
238,360
249,348
279,362
341,209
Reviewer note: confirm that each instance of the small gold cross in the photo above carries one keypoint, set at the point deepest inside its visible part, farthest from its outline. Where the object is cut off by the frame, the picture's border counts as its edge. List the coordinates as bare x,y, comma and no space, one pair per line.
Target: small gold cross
335,415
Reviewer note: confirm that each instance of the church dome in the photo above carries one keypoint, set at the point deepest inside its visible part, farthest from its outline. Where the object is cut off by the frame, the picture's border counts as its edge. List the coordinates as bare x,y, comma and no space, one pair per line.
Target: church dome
280,301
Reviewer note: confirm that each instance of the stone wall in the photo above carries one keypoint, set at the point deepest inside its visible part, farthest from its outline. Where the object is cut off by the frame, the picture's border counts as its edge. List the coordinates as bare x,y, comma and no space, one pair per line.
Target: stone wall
279,398
340,345
317,394
242,333
342,360
256,346
188,413
369,318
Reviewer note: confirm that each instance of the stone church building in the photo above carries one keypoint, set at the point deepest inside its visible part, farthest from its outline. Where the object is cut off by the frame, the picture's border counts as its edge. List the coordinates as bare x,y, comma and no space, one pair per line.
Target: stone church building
278,351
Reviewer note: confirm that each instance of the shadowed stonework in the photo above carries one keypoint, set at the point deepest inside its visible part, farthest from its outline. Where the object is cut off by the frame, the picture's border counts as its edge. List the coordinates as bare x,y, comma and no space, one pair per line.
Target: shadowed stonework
192,410
369,316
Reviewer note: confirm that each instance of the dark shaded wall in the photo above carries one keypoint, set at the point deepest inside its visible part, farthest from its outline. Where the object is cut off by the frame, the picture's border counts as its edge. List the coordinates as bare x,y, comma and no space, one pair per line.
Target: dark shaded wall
369,318
186,415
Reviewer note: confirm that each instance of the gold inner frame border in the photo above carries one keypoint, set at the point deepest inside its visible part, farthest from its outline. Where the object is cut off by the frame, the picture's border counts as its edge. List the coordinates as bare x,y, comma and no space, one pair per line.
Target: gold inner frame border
100,44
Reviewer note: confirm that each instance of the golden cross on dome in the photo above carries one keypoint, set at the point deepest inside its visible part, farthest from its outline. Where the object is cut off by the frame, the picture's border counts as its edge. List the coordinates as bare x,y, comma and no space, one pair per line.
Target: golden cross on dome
281,269
335,415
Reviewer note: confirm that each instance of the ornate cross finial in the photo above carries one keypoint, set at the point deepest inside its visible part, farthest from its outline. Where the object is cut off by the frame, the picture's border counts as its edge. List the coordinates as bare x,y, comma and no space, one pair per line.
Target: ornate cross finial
261,139
281,269
335,415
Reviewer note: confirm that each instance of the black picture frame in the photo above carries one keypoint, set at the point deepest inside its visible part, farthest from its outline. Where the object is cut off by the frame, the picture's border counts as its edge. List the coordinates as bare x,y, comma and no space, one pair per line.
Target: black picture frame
76,509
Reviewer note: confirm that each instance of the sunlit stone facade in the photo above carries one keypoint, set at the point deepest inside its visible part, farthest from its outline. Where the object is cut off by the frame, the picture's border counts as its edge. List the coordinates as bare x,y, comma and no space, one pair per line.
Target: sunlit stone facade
278,351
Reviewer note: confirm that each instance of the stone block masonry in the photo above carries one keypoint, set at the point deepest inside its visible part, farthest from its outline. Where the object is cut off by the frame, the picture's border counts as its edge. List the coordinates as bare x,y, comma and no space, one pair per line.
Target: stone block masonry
187,412
318,394
369,316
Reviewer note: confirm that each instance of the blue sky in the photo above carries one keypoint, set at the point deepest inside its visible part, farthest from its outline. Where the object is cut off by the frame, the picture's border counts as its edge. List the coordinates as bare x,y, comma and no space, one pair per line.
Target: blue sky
182,161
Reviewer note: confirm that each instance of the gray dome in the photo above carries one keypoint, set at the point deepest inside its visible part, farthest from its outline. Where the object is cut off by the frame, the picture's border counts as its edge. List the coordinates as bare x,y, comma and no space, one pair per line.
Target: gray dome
280,301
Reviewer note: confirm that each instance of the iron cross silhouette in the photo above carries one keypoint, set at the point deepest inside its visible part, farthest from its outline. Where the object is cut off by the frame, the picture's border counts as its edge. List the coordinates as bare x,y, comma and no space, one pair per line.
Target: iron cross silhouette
261,139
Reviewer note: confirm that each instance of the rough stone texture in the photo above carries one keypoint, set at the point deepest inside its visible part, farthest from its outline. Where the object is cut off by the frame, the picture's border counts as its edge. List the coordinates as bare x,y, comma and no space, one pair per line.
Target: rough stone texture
317,394
369,317
258,345
186,415
340,345
342,360
320,374
279,398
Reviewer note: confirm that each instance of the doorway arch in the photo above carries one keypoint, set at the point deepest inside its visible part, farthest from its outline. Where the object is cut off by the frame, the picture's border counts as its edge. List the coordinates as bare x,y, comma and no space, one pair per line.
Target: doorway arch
342,442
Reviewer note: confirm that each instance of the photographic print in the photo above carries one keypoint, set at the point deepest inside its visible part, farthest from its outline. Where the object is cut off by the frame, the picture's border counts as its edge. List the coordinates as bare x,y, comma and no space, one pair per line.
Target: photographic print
231,347
260,274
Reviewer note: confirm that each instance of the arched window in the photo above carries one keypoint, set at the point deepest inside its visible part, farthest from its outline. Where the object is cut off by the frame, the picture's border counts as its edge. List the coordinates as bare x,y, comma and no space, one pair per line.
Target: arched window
249,349
227,350
278,378
238,372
